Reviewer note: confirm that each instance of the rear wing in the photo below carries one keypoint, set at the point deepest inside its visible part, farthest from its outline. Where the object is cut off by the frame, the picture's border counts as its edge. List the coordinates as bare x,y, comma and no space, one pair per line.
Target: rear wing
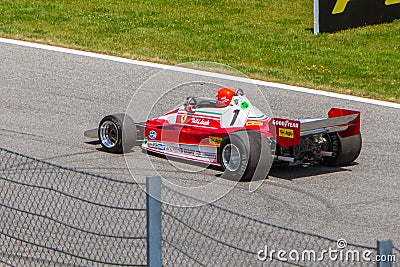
288,132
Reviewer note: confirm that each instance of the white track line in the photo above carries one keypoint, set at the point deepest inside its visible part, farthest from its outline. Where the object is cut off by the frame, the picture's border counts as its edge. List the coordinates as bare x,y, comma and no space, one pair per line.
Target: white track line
198,72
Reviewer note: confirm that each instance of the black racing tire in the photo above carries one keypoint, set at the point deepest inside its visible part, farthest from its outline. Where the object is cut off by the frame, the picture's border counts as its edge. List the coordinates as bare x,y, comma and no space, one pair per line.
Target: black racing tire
252,156
346,149
117,133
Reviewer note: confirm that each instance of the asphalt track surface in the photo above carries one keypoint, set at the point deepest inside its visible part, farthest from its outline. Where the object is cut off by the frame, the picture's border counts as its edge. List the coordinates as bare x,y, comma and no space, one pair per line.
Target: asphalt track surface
48,99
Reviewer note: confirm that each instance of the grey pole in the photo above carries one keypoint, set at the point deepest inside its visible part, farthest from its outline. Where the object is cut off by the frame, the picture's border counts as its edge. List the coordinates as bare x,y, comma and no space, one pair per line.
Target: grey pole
316,17
385,251
153,198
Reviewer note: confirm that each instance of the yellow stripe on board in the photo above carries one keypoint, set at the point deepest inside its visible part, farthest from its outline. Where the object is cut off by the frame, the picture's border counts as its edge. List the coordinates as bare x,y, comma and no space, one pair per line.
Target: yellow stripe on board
392,2
341,6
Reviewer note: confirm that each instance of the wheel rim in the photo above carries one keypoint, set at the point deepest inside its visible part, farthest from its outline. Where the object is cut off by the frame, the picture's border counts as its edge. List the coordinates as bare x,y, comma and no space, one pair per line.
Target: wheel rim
231,157
326,144
108,134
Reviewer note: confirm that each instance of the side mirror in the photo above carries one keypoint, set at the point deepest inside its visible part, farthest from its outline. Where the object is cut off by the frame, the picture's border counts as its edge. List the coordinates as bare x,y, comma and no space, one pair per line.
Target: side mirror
239,92
190,104
191,101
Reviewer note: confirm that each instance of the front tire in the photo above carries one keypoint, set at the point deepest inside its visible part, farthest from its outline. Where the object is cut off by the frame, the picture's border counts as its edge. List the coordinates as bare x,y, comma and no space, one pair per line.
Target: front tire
245,156
117,133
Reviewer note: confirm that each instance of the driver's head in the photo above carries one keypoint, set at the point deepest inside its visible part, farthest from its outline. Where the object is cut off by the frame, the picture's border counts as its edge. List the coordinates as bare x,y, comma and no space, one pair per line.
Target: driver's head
224,97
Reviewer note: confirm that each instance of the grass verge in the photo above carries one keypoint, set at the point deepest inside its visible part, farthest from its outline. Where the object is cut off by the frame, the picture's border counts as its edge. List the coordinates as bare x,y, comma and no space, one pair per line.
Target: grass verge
265,39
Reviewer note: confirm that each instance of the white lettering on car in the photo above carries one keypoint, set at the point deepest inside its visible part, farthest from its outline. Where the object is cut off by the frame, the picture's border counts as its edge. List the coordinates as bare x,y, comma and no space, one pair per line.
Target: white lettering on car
286,123
200,121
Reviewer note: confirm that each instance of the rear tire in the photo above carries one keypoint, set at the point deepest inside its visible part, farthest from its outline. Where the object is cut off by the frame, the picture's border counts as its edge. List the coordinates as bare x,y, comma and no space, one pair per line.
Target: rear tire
347,150
117,133
245,156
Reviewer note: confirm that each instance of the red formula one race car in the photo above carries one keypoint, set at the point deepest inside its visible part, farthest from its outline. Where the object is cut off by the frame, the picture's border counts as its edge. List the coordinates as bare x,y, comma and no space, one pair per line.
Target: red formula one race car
232,133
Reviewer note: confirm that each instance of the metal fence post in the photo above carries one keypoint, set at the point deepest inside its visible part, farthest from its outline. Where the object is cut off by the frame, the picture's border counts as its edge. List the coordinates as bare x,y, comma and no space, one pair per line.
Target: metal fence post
153,190
316,17
385,252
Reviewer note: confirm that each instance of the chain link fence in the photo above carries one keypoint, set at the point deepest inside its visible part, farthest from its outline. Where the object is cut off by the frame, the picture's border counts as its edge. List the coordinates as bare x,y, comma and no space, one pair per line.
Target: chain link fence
55,216
210,235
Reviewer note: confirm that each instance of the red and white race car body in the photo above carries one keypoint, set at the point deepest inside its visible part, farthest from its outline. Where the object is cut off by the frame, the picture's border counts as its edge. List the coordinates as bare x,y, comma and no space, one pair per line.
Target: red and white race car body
195,133
238,137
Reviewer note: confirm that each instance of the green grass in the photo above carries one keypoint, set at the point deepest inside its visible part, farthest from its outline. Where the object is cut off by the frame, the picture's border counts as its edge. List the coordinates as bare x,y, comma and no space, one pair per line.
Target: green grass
265,39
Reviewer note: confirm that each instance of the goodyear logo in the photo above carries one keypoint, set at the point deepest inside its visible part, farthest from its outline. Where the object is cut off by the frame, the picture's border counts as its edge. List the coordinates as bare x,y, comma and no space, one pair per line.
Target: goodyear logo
286,123
283,132
254,123
214,140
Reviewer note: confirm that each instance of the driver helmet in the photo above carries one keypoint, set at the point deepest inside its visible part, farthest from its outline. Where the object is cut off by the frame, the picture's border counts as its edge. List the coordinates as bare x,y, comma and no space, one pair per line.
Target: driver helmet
224,97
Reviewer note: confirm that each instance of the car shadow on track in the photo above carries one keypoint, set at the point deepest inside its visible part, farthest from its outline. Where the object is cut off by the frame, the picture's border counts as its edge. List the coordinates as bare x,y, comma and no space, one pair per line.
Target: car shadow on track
94,142
281,171
303,171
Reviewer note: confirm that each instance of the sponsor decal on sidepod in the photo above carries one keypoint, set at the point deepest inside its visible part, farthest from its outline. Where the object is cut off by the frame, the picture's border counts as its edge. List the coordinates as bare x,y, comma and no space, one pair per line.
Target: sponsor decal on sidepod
152,134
